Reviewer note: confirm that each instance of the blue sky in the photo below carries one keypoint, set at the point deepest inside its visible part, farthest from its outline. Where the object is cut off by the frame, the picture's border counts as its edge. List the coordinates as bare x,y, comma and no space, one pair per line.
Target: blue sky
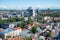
20,4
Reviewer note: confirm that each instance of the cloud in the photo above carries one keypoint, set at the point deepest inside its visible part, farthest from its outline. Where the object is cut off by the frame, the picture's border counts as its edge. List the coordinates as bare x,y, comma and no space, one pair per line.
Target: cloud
3,6
47,6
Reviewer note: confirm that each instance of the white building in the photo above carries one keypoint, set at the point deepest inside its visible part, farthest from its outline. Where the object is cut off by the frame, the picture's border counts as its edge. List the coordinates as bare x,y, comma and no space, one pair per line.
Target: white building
11,32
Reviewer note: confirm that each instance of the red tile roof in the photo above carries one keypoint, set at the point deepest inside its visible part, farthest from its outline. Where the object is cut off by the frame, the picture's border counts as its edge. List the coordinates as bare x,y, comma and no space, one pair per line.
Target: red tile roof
16,28
33,38
43,24
9,39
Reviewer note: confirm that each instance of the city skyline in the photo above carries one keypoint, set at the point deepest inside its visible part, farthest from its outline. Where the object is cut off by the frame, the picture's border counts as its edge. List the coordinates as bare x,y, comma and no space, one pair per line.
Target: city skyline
23,4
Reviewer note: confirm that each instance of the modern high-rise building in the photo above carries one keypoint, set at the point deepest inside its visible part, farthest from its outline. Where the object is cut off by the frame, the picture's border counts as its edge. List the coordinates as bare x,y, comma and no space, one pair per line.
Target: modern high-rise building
29,11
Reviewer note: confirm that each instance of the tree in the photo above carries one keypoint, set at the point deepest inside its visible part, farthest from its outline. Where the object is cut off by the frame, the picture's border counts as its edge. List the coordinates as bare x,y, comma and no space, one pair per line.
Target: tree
3,21
18,19
20,25
44,21
8,36
27,38
22,19
57,20
12,20
48,34
30,21
33,30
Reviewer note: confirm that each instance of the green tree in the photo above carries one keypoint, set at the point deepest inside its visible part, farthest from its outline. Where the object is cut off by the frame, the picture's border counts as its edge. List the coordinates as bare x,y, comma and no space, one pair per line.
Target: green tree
44,21
22,19
18,19
20,25
33,30
30,21
39,17
27,38
8,36
12,20
48,34
57,20
3,21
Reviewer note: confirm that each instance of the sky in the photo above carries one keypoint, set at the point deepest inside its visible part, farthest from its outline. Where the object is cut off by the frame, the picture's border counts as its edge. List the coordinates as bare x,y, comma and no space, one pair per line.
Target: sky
22,4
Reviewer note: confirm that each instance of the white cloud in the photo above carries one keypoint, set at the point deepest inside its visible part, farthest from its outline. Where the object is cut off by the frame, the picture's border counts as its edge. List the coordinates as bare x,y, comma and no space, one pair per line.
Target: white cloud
3,6
46,6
